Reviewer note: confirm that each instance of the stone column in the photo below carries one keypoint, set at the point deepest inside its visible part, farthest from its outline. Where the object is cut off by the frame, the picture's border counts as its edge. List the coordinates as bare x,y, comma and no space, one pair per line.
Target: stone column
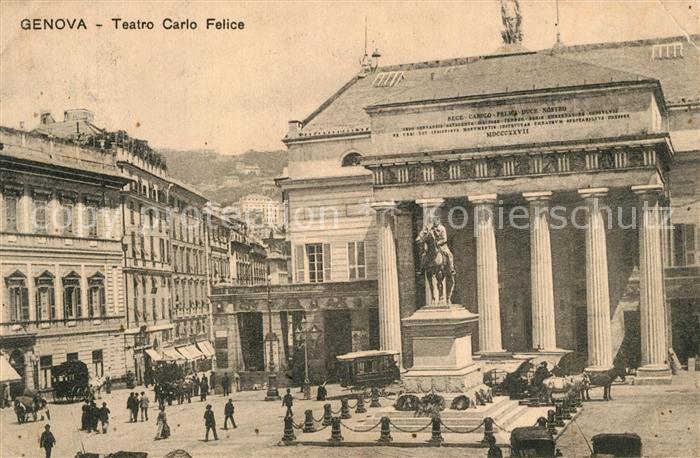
651,282
388,281
487,275
431,208
543,318
597,293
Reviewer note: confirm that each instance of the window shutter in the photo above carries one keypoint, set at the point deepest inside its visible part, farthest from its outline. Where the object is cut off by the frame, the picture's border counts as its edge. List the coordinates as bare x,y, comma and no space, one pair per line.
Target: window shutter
103,303
37,298
326,262
25,304
299,262
52,304
78,303
352,272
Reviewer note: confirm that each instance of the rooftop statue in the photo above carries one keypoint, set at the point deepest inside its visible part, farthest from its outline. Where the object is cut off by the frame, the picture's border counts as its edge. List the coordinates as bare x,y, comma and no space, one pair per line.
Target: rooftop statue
512,21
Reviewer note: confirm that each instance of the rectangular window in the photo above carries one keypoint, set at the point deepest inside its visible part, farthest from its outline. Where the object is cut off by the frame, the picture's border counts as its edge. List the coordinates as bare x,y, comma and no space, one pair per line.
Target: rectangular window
131,212
685,245
71,298
91,213
318,262
299,263
68,217
97,306
72,357
19,300
45,363
40,214
11,203
356,260
97,363
45,304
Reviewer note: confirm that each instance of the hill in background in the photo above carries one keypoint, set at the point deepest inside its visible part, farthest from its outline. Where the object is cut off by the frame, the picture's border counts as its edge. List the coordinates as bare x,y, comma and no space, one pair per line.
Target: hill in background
224,178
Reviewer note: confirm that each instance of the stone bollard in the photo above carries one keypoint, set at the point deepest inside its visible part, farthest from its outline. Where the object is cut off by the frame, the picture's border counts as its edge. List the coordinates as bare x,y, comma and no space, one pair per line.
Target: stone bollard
336,436
344,409
551,422
488,430
436,436
327,415
288,430
385,430
360,404
309,426
565,409
375,397
558,415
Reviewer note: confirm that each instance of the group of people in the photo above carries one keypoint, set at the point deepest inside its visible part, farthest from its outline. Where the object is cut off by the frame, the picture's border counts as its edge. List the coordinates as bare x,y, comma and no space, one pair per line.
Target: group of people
92,415
136,404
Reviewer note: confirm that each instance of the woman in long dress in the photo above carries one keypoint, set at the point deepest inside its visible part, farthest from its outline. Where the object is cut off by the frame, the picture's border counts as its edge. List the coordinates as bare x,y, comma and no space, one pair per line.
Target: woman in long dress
163,431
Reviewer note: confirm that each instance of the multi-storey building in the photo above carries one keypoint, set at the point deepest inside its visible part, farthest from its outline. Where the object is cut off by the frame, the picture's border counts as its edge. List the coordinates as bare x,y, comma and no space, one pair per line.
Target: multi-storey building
61,282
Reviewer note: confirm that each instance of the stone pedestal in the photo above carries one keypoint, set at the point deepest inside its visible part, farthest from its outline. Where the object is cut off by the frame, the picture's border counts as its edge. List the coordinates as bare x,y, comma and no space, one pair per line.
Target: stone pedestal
442,354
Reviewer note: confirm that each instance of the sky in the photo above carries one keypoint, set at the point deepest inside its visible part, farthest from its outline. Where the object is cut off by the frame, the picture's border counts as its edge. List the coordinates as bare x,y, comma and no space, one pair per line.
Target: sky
235,90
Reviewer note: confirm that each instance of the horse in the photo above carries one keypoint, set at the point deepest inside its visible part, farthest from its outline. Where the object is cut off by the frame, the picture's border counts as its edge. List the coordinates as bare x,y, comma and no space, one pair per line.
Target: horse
555,385
34,405
436,268
95,384
604,379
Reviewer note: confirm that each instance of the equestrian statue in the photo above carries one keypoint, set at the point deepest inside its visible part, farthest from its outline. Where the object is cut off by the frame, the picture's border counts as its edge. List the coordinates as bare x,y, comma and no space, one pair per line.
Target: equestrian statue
436,262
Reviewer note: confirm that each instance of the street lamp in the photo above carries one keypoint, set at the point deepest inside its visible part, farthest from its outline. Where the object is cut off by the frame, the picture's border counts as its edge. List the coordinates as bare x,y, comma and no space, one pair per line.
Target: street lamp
272,393
315,333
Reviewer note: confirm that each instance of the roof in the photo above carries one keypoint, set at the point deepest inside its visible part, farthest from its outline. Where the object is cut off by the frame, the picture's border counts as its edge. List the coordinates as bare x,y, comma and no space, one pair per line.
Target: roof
344,112
512,74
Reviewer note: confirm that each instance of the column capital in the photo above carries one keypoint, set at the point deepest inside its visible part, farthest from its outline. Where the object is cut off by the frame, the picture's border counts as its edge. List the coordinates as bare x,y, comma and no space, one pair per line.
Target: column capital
483,198
383,205
589,193
647,189
537,196
430,202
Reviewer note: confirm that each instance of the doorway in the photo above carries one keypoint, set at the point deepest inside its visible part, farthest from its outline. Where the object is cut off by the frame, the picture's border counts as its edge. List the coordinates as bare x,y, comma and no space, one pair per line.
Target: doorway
685,315
250,328
337,326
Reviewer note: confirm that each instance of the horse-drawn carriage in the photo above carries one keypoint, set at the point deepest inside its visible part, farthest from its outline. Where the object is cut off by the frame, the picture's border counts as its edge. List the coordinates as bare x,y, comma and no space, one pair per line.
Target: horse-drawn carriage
532,441
366,369
70,381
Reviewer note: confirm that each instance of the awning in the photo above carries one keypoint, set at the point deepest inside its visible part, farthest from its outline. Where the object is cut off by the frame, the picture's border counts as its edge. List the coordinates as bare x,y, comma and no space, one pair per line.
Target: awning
172,355
206,348
155,356
190,353
8,374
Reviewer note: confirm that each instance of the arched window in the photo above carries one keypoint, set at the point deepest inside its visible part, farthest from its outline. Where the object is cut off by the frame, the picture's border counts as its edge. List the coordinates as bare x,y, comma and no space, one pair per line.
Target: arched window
97,305
45,300
71,296
351,159
19,296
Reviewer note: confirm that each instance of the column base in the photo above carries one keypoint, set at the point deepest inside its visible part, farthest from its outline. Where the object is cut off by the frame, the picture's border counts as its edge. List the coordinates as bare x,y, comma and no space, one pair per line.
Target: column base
653,374
499,354
598,368
552,351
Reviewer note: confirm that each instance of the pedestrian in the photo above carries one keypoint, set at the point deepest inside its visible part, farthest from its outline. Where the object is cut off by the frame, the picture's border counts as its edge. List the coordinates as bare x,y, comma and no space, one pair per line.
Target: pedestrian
212,382
47,441
134,407
85,417
228,414
163,430
195,386
93,417
104,417
288,401
237,381
203,389
144,406
226,384
209,423
322,392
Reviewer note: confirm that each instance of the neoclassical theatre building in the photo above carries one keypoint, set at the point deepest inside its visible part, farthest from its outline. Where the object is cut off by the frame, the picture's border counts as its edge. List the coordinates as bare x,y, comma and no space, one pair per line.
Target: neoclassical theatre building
552,172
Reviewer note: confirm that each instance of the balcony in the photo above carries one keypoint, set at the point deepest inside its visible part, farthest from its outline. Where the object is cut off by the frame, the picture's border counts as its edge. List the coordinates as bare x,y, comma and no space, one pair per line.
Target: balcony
71,326
58,243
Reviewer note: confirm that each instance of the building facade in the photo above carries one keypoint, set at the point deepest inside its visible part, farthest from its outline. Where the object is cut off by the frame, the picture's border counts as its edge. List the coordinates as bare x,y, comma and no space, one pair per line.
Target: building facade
477,140
62,285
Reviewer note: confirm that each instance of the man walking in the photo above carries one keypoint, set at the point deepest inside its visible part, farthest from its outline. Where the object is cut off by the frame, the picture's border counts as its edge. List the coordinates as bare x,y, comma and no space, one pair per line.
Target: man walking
47,441
144,406
228,414
212,382
226,384
288,401
104,417
209,423
203,389
135,407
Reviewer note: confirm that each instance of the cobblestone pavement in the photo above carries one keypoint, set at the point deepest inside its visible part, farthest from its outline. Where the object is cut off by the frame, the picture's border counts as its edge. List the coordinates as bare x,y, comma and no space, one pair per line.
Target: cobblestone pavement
665,417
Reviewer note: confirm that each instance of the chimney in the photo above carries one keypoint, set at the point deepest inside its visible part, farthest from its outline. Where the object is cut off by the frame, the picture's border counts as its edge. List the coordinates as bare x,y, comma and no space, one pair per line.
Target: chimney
45,118
375,59
294,129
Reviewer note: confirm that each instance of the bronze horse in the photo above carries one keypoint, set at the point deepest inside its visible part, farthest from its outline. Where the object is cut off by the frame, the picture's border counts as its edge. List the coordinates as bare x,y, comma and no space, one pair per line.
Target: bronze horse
435,266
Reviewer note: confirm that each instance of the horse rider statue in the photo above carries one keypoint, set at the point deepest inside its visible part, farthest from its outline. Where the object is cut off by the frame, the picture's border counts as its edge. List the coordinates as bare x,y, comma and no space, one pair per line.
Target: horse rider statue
437,261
